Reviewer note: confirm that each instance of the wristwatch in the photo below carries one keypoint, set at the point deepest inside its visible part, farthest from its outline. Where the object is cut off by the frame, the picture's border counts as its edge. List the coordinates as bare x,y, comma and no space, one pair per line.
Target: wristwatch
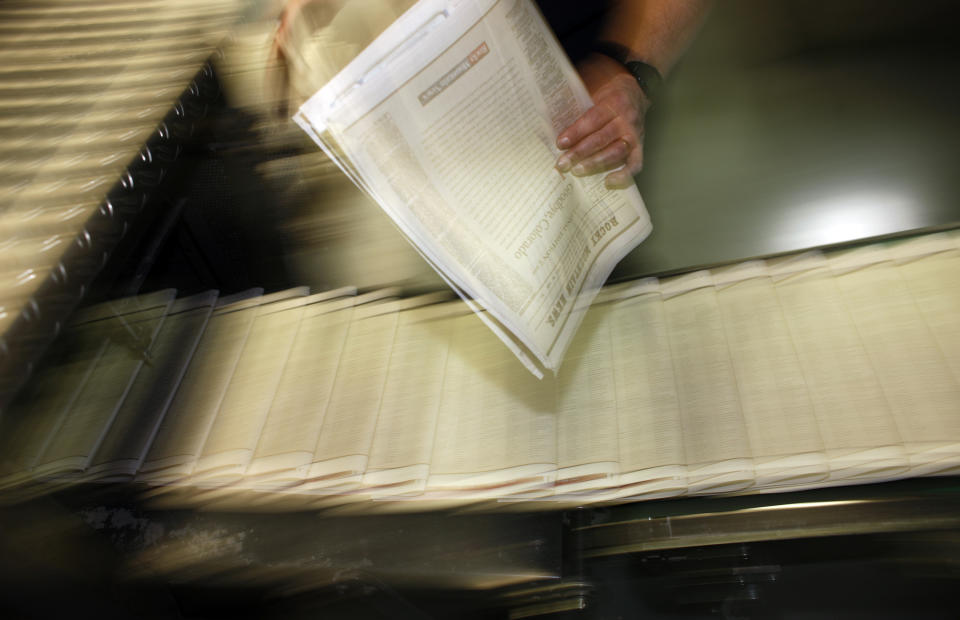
646,75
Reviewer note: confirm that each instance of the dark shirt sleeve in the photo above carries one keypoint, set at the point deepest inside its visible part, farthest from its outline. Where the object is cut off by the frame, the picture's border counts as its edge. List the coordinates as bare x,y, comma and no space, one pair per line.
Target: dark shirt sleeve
577,23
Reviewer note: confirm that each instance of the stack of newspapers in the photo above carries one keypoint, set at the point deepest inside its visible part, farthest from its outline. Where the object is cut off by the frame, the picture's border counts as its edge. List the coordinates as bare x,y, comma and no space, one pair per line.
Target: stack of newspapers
449,121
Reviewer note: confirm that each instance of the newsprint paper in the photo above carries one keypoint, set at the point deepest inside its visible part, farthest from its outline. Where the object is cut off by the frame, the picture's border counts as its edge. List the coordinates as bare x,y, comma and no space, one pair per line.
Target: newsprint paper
449,121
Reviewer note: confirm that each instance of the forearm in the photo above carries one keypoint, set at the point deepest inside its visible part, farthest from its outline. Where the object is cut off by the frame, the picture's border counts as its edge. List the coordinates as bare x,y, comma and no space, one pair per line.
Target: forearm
656,32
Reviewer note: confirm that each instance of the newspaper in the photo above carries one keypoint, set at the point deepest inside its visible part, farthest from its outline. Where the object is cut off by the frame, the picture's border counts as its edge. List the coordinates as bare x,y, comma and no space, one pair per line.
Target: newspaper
449,121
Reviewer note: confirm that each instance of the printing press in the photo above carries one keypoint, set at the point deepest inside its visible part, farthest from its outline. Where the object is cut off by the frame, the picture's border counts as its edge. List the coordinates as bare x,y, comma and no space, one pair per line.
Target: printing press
142,161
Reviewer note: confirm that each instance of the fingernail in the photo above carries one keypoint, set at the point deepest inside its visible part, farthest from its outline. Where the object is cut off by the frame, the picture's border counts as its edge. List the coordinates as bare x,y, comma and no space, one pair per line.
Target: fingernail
563,164
563,143
579,170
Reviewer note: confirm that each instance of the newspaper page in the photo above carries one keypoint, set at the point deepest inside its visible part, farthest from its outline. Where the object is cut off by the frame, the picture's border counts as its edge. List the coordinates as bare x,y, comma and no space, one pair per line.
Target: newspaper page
449,120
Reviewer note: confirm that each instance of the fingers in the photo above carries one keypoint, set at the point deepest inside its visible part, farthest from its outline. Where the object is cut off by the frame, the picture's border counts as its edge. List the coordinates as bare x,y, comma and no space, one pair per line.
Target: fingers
612,156
622,178
593,143
591,120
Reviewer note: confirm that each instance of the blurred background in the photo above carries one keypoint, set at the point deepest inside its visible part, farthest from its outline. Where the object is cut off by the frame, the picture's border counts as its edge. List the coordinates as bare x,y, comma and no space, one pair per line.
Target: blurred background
787,125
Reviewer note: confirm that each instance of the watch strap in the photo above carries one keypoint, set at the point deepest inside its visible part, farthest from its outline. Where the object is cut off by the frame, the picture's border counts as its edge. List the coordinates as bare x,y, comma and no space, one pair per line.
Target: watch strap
647,77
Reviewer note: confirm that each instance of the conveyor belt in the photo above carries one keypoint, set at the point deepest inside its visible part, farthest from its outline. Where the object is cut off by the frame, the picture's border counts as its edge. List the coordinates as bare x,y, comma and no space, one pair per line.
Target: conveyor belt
806,372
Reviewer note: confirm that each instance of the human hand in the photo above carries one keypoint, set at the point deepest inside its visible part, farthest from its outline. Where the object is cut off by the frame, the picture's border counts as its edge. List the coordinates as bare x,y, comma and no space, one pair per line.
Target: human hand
321,12
284,54
608,136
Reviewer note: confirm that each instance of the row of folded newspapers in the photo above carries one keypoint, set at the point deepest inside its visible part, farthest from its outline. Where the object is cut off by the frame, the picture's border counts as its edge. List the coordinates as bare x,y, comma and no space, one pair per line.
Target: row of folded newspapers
802,371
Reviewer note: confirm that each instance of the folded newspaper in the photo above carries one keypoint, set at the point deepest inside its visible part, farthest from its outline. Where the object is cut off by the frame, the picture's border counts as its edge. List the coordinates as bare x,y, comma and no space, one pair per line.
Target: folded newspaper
449,121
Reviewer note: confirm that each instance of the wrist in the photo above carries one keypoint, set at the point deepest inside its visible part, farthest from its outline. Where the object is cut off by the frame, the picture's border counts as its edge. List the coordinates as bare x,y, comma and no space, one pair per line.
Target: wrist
646,75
